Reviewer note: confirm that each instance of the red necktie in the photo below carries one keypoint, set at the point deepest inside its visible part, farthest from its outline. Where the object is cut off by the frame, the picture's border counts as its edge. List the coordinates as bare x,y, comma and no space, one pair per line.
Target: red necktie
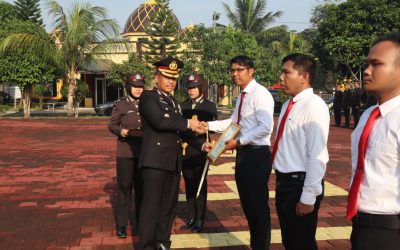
358,176
281,128
240,106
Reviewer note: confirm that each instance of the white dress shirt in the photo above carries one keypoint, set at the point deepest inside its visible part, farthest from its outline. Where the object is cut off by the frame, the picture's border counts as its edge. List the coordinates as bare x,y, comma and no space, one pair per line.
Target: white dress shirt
256,120
303,145
380,188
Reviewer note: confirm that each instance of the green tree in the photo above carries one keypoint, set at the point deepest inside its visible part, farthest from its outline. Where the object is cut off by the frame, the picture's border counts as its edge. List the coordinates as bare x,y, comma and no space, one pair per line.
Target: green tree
7,11
117,73
163,31
209,53
346,30
25,69
41,90
81,91
29,10
83,32
250,16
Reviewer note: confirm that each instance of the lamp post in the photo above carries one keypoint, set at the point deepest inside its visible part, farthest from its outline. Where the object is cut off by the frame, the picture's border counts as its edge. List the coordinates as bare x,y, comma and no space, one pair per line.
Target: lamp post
215,17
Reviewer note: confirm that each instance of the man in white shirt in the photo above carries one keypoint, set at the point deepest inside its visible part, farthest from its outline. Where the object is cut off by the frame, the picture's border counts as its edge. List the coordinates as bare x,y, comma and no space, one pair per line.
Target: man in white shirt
300,153
254,113
374,196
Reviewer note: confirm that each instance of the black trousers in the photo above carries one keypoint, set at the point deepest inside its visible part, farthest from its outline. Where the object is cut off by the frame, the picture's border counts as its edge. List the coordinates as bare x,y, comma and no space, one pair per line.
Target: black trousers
372,231
298,232
346,111
160,198
192,175
253,168
338,116
356,115
128,176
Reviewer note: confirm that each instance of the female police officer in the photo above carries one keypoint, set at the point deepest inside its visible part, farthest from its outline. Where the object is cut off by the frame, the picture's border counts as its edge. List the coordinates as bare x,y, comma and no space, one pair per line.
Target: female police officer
125,123
193,159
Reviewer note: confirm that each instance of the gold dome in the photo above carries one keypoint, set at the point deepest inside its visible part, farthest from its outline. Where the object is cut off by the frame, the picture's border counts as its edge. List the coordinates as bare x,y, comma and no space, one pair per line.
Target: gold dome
139,19
187,30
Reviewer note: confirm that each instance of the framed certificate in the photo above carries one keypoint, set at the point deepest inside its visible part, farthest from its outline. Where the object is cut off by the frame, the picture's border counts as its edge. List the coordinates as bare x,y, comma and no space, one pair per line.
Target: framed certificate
230,132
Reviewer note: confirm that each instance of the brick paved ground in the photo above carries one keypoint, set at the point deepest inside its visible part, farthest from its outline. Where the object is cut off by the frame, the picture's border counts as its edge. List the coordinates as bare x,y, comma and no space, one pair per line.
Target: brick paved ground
57,181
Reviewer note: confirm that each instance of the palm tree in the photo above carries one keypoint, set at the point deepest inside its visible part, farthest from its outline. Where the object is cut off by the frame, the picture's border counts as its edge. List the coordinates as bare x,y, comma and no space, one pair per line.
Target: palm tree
249,15
82,33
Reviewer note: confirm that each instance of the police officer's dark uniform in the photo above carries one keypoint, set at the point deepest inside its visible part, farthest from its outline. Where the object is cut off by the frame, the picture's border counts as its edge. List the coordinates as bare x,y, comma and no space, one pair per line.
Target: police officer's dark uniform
193,159
160,159
347,105
337,105
125,115
356,104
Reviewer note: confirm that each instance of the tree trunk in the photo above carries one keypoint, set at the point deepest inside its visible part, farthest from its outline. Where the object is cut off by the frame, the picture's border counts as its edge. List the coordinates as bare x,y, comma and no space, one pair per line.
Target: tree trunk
41,102
76,110
71,91
26,100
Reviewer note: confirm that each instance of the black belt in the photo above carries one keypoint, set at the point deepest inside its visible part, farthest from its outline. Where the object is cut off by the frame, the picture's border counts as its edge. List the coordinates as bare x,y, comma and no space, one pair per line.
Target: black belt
245,147
386,221
301,176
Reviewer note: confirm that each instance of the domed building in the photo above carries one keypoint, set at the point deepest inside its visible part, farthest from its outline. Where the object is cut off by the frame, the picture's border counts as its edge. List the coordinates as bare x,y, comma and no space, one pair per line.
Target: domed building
135,26
134,30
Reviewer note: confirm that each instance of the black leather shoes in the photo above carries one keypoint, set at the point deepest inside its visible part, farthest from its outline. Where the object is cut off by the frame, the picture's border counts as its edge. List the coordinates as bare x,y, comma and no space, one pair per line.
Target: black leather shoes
189,224
121,232
197,227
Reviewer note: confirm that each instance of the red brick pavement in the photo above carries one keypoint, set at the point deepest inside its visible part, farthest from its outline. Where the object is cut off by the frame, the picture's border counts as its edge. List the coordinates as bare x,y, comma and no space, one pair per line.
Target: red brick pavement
57,180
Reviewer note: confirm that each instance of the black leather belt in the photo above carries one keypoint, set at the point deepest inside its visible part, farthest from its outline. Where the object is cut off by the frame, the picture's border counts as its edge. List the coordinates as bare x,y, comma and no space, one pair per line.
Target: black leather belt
245,147
386,221
301,176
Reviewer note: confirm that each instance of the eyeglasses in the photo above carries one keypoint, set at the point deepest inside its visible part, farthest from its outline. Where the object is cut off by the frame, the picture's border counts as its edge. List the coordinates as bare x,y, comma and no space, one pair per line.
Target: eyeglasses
237,70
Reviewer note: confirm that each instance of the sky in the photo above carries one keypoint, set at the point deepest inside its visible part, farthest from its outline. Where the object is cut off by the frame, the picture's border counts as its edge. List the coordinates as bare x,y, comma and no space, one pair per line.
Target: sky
296,15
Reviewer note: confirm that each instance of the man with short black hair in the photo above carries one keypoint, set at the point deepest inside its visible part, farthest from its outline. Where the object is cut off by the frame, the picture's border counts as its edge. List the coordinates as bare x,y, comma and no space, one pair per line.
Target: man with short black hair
254,113
300,153
374,195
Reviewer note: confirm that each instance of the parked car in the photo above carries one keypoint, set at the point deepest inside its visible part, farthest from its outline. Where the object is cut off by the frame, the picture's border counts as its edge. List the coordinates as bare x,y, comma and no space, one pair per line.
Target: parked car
5,98
329,103
277,99
104,108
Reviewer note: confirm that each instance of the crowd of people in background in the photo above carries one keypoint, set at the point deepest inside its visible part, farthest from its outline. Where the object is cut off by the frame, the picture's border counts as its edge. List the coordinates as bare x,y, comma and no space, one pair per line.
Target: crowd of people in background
350,100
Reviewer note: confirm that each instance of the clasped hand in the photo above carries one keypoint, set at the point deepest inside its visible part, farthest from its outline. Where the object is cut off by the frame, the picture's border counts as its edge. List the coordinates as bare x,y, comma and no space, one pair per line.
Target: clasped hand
198,127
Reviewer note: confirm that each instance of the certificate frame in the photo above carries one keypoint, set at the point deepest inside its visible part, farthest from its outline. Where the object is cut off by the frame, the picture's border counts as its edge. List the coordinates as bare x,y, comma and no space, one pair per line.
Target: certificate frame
230,132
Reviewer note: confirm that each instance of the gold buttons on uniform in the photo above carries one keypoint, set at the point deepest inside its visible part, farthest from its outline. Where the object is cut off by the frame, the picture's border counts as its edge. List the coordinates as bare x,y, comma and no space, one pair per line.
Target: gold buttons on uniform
158,144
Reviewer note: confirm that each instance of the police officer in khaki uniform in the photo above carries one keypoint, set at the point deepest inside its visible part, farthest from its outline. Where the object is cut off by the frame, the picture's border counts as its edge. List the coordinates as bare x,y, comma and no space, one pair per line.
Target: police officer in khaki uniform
194,160
161,155
126,124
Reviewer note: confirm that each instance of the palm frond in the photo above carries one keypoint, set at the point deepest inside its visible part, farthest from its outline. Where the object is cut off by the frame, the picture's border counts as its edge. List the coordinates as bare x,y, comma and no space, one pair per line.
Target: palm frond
26,43
56,10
